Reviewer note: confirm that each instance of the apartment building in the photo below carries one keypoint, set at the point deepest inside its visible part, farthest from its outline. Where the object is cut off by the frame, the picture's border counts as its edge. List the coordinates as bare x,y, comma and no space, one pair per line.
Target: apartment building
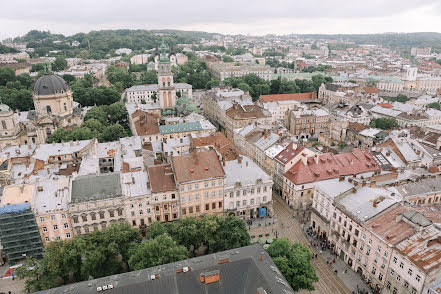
306,123
165,195
96,202
200,180
248,189
223,70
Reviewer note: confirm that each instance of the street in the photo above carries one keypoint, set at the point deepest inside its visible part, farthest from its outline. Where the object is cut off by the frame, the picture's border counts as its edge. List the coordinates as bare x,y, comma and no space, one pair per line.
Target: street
328,281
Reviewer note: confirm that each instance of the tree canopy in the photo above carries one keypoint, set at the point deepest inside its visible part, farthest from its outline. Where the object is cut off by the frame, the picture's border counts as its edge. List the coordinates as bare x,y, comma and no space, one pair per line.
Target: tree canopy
384,123
434,105
294,262
16,91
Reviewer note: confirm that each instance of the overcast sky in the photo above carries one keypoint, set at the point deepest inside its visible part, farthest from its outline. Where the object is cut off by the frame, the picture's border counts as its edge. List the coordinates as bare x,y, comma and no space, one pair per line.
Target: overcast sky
255,17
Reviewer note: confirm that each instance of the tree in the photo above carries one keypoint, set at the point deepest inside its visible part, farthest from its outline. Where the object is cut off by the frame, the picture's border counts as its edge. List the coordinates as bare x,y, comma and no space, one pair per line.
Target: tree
59,64
149,77
212,84
94,125
231,233
434,105
97,113
161,250
227,58
156,229
118,74
294,262
7,74
25,80
186,232
384,123
117,113
113,133
69,78
244,87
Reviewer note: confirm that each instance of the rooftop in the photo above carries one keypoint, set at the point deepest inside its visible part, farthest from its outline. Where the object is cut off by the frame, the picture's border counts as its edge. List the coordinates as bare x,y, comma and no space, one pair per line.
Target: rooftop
197,166
246,172
285,97
161,178
180,128
86,188
219,142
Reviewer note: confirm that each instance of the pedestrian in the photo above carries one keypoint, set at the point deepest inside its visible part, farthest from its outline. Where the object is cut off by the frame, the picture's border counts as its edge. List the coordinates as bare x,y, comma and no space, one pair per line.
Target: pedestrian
346,271
316,256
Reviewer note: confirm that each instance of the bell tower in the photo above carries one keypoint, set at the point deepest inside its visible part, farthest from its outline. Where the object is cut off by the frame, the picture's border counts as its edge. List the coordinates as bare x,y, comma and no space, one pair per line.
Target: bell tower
166,86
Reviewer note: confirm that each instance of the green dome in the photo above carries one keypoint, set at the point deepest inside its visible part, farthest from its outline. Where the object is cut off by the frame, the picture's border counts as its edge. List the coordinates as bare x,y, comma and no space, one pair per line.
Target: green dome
4,108
191,107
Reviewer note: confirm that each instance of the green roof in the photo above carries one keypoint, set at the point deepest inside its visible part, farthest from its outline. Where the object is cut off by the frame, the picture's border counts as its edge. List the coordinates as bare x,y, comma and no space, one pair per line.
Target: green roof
179,128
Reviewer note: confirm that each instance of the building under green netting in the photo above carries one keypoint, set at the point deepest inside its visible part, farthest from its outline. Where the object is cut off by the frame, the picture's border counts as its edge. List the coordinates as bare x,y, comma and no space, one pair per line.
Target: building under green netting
19,232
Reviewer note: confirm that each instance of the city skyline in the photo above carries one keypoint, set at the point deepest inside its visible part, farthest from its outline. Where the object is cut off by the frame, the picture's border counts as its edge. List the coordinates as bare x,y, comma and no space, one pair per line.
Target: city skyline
230,18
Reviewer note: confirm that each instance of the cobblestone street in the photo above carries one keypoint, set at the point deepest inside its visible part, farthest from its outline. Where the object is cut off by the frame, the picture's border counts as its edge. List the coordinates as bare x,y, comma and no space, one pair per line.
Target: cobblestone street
329,282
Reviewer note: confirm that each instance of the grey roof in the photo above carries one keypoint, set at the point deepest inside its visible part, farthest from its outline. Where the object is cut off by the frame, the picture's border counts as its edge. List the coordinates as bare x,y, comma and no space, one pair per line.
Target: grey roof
50,84
244,273
417,218
104,186
428,185
246,172
4,108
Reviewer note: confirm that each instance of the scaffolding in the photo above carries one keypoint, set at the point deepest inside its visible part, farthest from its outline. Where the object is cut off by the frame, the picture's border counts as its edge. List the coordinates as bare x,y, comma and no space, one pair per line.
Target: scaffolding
19,233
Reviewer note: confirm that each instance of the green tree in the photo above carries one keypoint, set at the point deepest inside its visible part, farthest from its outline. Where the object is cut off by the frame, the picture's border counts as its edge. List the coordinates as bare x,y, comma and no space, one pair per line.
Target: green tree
117,113
212,84
113,133
231,233
227,58
97,113
186,232
161,250
7,74
384,123
59,64
244,87
156,229
434,105
26,80
118,74
149,77
94,125
294,262
69,78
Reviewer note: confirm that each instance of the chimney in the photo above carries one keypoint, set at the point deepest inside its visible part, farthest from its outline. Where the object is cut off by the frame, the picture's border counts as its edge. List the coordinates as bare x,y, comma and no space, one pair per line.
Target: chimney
211,277
363,184
341,179
262,256
239,159
374,204
246,163
223,161
354,190
373,184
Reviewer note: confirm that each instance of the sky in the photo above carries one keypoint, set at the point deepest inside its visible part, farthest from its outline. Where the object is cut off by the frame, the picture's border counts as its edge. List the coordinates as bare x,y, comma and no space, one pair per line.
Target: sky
253,17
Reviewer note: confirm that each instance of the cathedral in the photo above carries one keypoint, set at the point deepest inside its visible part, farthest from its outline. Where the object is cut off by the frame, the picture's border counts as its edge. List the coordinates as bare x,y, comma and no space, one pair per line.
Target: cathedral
54,109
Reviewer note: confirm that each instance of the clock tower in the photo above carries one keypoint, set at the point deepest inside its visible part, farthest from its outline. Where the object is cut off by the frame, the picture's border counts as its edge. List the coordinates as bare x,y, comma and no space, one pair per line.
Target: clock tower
166,89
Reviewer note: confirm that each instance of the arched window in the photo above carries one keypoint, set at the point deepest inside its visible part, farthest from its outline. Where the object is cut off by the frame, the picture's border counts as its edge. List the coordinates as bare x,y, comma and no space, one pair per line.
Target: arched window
3,124
48,109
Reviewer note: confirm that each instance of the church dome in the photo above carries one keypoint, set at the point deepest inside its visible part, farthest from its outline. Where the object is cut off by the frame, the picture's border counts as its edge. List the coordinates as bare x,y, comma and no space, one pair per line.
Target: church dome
50,84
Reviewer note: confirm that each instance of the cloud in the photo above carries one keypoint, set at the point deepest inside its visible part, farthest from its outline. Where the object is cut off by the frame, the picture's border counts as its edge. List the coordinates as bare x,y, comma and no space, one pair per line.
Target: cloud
233,16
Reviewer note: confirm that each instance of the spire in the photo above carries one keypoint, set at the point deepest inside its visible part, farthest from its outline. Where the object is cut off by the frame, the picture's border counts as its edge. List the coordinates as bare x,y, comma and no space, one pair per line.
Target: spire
163,57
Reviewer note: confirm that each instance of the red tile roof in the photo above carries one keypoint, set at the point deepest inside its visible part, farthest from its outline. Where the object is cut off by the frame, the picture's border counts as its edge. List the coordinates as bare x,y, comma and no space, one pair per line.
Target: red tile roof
145,123
197,166
285,97
371,90
161,178
329,166
288,153
220,143
386,105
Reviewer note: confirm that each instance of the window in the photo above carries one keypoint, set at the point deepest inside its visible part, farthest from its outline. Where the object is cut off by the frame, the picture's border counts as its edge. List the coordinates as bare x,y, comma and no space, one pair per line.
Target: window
231,194
184,211
361,246
385,254
395,260
131,205
53,217
395,291
196,186
244,193
380,277
258,190
406,284
141,211
213,183
182,198
67,235
207,206
132,213
379,248
219,182
206,195
44,229
388,285
41,219
401,265
252,201
368,252
213,205
398,278
418,278
206,184
197,208
140,204
112,213
264,189
409,272
63,215
55,227
173,196
190,197
182,189
392,272
252,190
197,196
190,209
46,239
383,264
374,270
356,232
370,242
220,204
66,225
189,188
244,203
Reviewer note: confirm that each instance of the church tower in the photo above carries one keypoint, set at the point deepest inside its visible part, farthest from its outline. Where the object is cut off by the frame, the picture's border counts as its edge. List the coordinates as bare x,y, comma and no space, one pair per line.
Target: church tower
166,89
